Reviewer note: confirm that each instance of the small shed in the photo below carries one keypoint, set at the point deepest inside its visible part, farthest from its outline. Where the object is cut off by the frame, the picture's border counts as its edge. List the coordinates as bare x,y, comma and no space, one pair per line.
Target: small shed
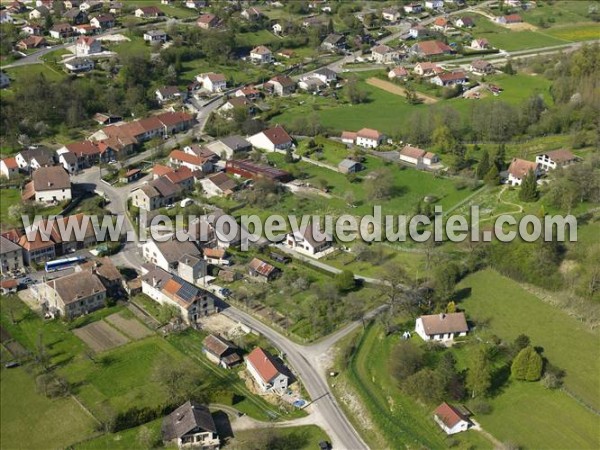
131,175
349,166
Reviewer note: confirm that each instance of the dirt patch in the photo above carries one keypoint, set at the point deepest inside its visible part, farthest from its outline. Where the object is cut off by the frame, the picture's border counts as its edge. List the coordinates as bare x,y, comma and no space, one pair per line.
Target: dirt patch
100,336
218,324
114,38
131,327
398,90
522,26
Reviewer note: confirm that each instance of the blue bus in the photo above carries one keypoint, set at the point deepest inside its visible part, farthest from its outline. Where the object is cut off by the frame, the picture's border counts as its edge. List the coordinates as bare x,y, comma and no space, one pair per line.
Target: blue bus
62,264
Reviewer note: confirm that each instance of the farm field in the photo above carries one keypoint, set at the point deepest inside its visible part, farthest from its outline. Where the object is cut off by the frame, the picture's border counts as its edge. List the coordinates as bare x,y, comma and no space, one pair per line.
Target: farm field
558,13
398,90
511,310
129,326
58,422
100,336
574,33
522,40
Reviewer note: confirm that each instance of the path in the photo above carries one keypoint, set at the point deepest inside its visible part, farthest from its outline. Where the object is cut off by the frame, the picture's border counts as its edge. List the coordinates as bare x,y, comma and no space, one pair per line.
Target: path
519,209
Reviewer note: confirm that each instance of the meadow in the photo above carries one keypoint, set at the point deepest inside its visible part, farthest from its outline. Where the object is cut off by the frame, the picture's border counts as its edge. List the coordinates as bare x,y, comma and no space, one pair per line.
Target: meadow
523,40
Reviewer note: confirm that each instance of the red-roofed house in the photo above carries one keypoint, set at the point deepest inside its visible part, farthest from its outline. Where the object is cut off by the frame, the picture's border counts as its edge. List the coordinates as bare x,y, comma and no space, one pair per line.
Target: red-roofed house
519,168
207,21
31,42
266,371
398,72
348,137
272,139
417,156
147,12
450,78
450,419
179,158
9,167
511,18
182,177
480,44
427,69
369,138
87,46
430,48
261,55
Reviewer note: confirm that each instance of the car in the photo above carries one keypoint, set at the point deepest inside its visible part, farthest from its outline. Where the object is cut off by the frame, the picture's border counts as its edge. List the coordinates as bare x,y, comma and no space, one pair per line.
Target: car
324,445
12,364
225,292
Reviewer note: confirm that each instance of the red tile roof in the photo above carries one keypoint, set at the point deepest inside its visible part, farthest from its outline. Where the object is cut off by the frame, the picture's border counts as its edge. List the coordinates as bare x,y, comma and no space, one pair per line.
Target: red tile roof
433,47
519,167
369,133
264,363
277,135
11,162
449,415
180,155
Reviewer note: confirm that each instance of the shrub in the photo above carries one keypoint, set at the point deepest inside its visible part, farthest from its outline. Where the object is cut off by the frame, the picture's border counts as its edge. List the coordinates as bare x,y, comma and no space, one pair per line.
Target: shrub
481,407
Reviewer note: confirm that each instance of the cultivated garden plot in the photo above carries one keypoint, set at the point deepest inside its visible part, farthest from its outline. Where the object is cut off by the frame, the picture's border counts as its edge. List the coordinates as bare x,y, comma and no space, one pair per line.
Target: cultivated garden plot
129,326
100,336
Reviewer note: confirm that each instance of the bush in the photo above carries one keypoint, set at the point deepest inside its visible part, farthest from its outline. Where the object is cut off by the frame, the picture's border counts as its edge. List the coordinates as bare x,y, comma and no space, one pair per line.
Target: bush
551,381
481,407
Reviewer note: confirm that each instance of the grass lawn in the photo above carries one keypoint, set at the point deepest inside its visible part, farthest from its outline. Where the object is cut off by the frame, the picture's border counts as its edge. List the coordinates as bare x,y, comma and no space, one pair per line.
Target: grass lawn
21,74
582,32
135,46
58,423
8,197
526,413
513,311
123,440
523,40
300,438
558,13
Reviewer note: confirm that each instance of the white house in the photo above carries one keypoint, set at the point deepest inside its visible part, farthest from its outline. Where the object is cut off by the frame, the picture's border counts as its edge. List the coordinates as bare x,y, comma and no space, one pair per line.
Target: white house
304,241
555,158
268,373
48,185
450,419
441,327
398,72
166,254
390,14
413,8
6,17
418,157
213,82
519,168
272,139
87,46
261,55
480,44
277,29
450,78
191,426
9,167
79,65
179,158
434,4
369,138
167,93
155,36
383,54
69,161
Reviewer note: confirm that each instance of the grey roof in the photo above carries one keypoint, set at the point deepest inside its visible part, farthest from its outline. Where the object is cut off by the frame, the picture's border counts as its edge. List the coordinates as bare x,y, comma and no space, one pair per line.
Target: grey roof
161,187
327,72
50,179
236,142
155,33
189,260
42,155
186,418
333,39
76,286
73,13
173,249
7,246
70,158
347,163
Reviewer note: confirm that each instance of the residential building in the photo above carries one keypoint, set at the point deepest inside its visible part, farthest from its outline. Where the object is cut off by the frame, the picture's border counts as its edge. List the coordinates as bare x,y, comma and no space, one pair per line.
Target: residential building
87,46
170,289
155,194
221,351
69,161
261,55
262,271
91,5
248,92
441,327
149,12
218,184
103,21
480,44
182,177
348,137
195,4
334,42
237,103
518,170
40,12
6,17
430,48
451,419
398,72
213,82
441,24
36,248
11,256
216,256
509,19
450,78
307,242
555,158
464,22
48,185
248,169
384,54
481,67
9,167
153,36
434,4
88,153
324,74
229,146
191,426
281,85
31,42
419,157
390,14
413,8
207,21
75,16
192,269
252,14
166,93
79,65
32,30
167,254
179,158
107,273
74,295
427,69
35,157
418,31
272,139
369,138
270,375
61,31
69,233
349,166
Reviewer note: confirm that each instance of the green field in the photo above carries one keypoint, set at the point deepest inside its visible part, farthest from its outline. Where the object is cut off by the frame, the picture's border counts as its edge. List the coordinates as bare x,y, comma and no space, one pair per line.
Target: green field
58,423
513,311
123,440
8,197
300,438
582,32
522,40
558,13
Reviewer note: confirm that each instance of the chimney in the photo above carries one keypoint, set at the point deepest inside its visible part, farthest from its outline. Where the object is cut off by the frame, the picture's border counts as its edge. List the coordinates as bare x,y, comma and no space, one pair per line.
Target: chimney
442,315
154,282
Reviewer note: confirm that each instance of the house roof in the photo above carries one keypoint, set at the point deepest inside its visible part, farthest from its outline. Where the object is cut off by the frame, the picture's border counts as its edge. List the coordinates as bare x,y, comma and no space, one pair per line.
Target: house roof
86,40
37,241
151,10
168,91
173,249
333,39
69,235
214,77
50,178
277,135
350,135
347,163
444,323
239,102
513,18
32,41
81,148
223,182
160,170
519,167
284,80
261,267
214,252
481,64
412,152
399,71
217,345
236,142
369,133
76,286
179,175
11,162
325,71
7,246
164,186
103,18
264,363
381,49
206,18
182,156
187,417
261,50
61,27
467,21
449,415
155,33
103,267
561,155
452,76
440,22
433,47
308,235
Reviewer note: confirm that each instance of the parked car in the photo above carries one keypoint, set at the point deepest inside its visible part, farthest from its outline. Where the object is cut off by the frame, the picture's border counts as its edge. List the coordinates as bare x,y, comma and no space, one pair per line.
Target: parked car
12,364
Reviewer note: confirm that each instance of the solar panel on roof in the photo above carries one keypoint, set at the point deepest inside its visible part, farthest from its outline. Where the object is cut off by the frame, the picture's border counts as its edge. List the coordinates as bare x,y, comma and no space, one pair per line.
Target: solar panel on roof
187,291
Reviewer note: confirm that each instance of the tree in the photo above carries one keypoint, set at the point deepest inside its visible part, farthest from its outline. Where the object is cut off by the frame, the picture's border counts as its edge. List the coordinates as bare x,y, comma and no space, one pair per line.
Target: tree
527,365
484,165
147,438
443,140
479,374
529,189
406,360
344,281
426,385
492,178
445,277
180,380
354,93
380,186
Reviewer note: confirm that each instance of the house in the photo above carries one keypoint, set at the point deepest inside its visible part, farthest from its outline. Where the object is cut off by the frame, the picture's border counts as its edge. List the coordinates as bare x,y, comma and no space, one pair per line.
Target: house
220,351
348,137
311,84
167,93
334,42
106,119
32,30
166,254
88,153
75,16
48,185
281,85
434,4
398,72
212,82
480,44
277,29
192,269
349,166
61,31
115,7
272,139
418,31
107,273
237,102
519,168
4,80
450,78
40,12
261,55
191,425
509,19
286,53
155,36
261,270
91,5
155,194
383,54
450,419
149,12
441,24
179,158
207,21
103,21
441,327
252,14
195,4
229,146
481,67
87,46
413,8
6,17
464,22
390,14
79,65
418,157
306,242
9,286
218,184
9,167
430,48
16,7
34,158
216,256
69,161
369,138
181,177
248,169
248,92
555,158
170,289
11,256
324,74
68,233
31,42
427,69
131,175
269,374
74,295
36,248
84,29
